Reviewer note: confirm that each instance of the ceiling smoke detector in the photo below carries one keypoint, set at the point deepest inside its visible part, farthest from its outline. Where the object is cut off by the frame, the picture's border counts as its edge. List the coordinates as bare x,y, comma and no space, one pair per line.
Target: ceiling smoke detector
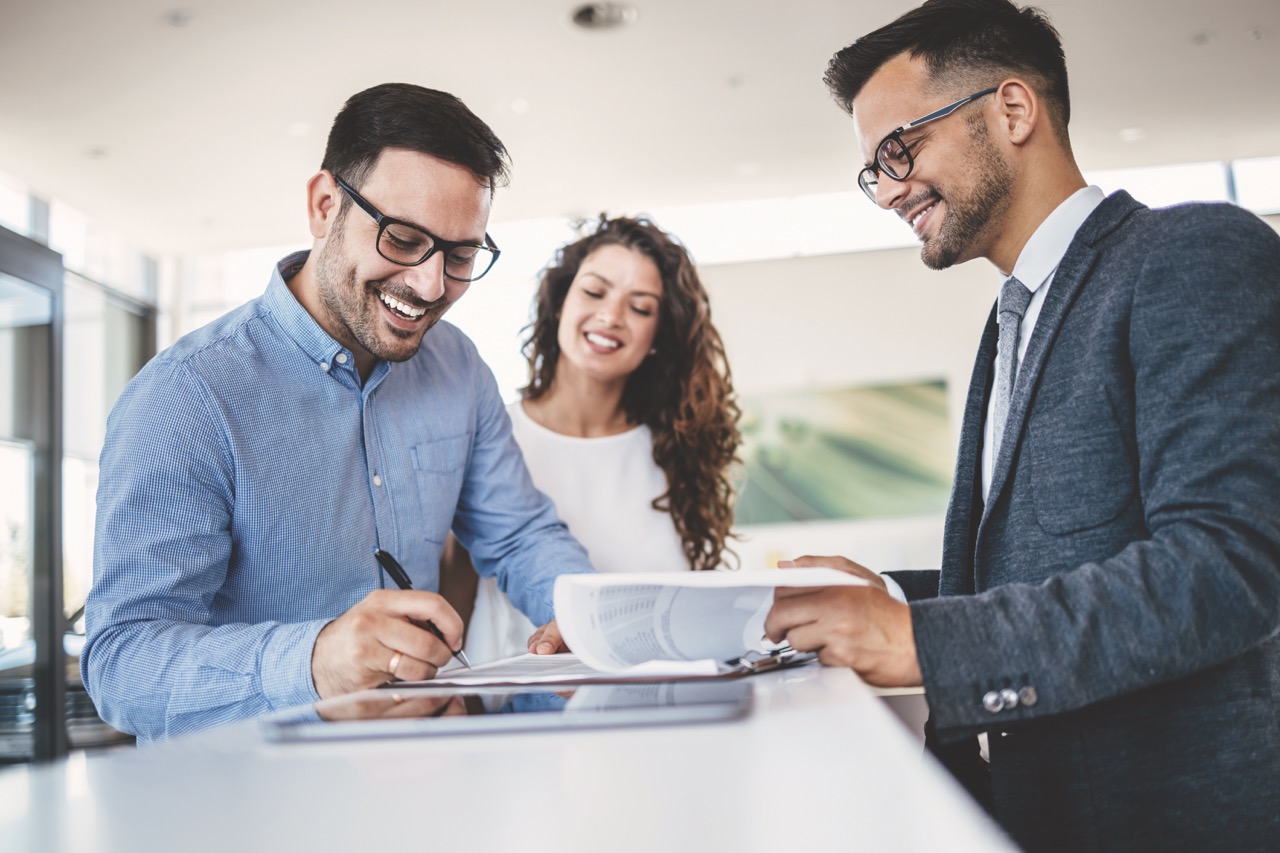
603,16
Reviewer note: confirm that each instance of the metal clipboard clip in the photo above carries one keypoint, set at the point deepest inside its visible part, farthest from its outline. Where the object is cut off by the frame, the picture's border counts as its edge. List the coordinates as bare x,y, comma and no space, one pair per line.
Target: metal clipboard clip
753,662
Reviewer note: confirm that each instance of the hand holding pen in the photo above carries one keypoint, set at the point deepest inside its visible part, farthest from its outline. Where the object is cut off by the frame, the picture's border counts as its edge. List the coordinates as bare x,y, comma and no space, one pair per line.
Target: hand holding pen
379,639
397,573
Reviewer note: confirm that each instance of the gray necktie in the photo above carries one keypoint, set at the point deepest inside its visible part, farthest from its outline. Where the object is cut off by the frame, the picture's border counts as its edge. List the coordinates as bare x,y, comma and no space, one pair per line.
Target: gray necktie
1014,298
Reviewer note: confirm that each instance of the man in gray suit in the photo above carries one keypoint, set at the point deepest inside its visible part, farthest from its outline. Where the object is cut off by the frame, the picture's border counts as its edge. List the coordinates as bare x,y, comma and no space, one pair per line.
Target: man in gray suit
1108,605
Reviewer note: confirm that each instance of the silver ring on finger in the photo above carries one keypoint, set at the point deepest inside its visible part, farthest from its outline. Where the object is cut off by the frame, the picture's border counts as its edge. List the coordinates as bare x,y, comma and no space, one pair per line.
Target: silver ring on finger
394,664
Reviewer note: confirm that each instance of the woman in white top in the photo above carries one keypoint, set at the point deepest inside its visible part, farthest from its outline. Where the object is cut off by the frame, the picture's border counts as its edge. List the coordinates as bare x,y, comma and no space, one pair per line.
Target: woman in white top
629,421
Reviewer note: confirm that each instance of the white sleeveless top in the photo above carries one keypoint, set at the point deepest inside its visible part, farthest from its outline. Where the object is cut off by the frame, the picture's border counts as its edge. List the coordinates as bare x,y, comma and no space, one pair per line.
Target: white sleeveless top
603,489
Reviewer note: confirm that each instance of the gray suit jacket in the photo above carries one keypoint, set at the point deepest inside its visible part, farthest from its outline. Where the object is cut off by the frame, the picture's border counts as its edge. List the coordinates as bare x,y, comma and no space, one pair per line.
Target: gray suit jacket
1122,584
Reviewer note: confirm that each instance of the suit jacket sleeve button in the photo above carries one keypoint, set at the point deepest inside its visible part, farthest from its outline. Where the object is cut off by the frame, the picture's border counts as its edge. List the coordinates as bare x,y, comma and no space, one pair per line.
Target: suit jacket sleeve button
992,702
1008,698
1027,696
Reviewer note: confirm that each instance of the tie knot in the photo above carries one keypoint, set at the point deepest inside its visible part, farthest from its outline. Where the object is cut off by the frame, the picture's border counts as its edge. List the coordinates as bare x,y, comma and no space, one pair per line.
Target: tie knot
1014,297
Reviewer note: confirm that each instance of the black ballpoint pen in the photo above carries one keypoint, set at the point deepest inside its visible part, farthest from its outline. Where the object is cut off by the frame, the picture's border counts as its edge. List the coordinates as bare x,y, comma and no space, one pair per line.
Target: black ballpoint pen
392,567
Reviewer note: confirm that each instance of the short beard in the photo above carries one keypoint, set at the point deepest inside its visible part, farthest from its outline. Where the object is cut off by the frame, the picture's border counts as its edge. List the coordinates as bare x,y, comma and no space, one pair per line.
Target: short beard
967,218
349,311
340,294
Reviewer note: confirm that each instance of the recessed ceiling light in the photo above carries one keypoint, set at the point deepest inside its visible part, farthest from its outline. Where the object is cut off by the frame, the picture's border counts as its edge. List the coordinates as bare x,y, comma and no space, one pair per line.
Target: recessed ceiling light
178,18
603,16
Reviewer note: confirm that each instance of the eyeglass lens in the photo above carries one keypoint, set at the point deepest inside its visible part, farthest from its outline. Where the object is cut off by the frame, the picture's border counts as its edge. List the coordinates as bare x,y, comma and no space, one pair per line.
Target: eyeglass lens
405,244
894,158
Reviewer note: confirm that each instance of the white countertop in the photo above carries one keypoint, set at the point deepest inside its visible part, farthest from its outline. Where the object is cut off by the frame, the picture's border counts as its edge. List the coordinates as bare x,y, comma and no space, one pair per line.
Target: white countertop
820,764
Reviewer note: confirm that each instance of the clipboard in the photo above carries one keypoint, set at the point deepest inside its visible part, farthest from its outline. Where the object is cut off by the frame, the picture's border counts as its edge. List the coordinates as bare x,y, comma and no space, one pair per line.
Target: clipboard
534,670
754,662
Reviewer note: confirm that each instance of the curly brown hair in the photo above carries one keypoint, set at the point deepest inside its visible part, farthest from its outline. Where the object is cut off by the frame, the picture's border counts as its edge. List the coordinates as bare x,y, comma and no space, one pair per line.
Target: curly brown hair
683,391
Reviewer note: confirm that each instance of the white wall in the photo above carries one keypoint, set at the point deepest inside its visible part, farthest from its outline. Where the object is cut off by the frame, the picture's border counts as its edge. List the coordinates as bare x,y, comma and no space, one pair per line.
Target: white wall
855,318
850,319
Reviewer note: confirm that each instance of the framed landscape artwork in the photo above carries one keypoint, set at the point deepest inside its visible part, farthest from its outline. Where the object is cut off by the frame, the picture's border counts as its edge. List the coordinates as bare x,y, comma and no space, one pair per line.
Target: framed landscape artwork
864,452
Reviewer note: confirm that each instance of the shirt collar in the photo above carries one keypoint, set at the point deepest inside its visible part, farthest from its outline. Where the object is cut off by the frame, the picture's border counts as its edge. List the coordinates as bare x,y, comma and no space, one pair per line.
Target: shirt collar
1047,246
295,320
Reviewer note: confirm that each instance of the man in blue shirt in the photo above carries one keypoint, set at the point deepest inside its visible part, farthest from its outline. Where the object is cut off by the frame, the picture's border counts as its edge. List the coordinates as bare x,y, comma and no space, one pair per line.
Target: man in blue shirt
250,470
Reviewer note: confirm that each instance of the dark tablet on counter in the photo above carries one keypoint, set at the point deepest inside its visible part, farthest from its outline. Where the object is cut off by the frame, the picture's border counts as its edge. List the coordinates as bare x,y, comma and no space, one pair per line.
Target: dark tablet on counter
418,712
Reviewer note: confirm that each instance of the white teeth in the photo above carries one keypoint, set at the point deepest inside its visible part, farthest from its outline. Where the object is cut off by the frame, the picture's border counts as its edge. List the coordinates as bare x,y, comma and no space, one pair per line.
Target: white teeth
407,310
920,215
601,341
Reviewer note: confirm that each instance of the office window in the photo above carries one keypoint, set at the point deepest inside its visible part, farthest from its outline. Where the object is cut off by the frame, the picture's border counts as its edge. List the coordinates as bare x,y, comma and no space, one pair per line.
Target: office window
15,206
100,255
68,346
1160,186
107,341
31,673
25,315
1257,184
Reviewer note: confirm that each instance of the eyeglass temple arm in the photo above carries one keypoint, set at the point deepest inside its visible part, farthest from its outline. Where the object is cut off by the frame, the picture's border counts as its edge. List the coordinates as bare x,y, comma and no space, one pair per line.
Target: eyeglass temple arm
360,200
949,109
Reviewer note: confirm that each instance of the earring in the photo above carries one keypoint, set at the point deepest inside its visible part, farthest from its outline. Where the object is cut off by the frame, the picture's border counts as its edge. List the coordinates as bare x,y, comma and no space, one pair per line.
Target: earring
653,351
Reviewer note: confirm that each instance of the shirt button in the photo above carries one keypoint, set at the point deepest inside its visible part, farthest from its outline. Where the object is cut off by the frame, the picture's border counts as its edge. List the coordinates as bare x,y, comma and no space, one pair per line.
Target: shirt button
1027,696
324,365
1008,698
992,702
377,480
341,358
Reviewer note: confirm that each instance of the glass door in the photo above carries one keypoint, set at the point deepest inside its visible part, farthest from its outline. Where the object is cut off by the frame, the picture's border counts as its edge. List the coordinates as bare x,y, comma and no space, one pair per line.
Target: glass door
33,665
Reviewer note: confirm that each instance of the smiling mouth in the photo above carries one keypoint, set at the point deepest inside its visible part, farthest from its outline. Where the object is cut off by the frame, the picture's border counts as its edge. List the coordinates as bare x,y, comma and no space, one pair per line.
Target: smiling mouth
923,204
401,309
601,341
917,221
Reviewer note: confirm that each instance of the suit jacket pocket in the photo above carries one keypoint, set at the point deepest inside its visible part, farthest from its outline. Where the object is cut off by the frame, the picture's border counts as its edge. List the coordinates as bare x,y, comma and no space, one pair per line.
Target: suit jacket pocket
439,467
1082,472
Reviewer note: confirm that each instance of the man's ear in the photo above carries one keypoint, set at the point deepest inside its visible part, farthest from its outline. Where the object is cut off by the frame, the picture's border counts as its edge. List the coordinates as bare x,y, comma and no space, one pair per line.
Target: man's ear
323,203
1019,110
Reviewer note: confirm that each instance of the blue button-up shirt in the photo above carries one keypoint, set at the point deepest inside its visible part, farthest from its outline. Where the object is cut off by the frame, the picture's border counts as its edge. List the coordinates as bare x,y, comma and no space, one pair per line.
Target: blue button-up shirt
245,480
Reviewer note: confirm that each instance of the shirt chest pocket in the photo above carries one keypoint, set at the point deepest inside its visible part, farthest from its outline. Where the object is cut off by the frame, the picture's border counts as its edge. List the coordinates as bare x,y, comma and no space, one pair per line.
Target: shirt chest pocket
439,468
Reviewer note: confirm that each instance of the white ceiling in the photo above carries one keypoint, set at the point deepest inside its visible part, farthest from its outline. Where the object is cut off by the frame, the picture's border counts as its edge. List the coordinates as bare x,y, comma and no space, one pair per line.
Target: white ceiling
200,137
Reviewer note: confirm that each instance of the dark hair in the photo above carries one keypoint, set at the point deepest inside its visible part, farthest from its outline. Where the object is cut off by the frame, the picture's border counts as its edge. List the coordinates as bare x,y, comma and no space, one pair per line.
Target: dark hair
683,392
964,43
402,115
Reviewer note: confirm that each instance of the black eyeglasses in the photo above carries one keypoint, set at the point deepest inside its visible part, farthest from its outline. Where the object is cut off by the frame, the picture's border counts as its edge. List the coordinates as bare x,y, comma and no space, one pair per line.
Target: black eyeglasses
893,156
409,245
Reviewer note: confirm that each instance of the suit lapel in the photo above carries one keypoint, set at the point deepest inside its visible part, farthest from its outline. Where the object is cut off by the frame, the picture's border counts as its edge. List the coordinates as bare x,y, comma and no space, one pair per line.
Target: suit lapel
1067,281
966,491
